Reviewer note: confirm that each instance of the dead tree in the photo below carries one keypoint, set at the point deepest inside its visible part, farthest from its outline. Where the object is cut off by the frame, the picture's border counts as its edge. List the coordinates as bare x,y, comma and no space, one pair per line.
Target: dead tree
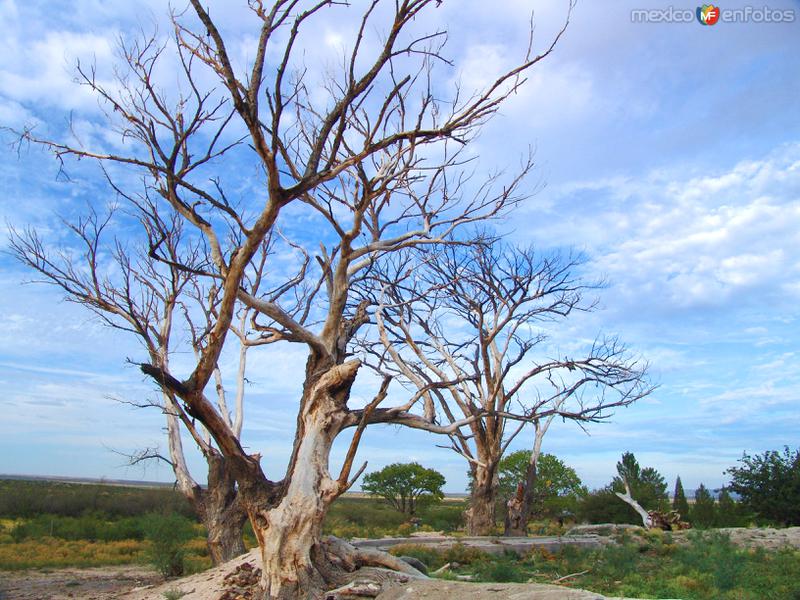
652,519
133,292
627,498
519,507
371,154
468,331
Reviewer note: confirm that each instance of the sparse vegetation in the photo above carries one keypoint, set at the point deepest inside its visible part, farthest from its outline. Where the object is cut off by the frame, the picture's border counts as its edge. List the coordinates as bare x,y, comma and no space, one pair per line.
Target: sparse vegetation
27,499
102,533
707,567
168,535
650,565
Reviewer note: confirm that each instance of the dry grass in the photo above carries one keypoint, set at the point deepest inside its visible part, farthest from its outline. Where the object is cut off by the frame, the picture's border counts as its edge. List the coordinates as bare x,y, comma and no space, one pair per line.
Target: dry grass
52,552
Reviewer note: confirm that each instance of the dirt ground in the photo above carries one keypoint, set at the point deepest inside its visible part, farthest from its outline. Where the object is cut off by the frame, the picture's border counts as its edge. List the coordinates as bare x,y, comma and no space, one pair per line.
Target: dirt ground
101,583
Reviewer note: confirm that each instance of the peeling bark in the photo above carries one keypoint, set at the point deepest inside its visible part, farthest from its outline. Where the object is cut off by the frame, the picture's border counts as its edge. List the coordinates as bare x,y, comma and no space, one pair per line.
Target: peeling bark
289,532
516,524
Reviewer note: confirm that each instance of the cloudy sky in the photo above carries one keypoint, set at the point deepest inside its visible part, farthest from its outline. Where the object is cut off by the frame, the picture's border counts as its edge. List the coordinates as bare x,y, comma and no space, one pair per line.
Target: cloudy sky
669,153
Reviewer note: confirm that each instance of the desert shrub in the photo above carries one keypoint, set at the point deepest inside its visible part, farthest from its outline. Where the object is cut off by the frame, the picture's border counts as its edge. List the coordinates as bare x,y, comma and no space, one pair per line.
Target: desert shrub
49,552
86,527
545,527
503,569
366,513
128,528
168,535
432,558
620,560
714,553
443,518
28,499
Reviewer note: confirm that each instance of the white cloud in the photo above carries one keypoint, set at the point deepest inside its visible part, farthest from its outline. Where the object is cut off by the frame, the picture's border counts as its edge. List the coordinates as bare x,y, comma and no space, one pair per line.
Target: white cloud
670,241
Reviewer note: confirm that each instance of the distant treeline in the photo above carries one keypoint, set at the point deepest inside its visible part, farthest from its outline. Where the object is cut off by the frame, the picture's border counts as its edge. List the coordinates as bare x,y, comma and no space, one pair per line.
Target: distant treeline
26,499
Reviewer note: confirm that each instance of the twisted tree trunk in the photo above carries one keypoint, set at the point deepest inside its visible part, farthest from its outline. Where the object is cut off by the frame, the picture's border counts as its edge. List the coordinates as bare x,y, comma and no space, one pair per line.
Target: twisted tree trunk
290,533
222,513
218,506
297,563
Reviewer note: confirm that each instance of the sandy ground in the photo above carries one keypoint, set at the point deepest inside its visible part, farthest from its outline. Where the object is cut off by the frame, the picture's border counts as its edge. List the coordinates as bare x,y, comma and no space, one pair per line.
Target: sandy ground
234,580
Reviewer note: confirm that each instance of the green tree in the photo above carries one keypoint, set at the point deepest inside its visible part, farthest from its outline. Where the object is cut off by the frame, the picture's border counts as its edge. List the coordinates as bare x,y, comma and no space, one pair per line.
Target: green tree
557,488
769,485
704,511
602,506
679,502
405,485
728,510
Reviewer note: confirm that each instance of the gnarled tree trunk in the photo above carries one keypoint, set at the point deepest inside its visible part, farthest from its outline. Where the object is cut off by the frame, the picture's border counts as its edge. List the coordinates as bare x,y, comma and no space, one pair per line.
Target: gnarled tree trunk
481,512
222,513
516,523
290,533
218,506
296,562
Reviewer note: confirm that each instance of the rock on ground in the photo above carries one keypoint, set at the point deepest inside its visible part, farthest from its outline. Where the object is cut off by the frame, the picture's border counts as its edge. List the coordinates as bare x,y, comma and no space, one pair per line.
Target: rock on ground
748,537
446,590
763,537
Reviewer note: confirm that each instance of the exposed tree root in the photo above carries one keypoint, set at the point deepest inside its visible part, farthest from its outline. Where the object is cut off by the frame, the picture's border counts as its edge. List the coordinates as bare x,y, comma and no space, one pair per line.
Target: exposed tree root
362,573
340,572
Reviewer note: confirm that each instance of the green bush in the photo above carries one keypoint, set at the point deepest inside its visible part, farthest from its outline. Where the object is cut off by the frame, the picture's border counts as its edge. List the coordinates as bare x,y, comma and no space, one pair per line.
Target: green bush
714,553
366,513
619,561
168,535
443,518
87,527
505,569
27,499
769,485
433,558
463,554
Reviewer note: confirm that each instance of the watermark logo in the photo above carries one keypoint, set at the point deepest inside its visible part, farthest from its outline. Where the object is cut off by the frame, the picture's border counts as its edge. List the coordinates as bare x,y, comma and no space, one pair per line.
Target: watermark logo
711,14
708,14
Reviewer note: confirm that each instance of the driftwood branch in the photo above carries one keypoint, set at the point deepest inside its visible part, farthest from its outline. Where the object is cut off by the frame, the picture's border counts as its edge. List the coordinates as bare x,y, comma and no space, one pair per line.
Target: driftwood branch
628,499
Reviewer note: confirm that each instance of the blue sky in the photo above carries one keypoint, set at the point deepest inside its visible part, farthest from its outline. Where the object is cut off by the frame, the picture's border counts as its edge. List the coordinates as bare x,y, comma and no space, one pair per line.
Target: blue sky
668,153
